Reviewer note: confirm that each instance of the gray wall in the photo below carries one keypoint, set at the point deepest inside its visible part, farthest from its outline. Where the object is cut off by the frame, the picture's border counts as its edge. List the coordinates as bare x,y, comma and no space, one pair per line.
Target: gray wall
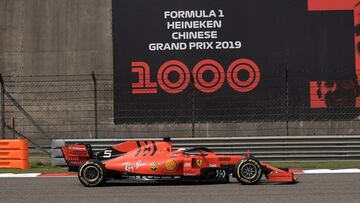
47,37
52,37
48,48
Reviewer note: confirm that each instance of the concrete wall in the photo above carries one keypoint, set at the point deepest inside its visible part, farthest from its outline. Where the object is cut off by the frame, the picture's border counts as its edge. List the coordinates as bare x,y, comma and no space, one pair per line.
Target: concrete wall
52,38
63,37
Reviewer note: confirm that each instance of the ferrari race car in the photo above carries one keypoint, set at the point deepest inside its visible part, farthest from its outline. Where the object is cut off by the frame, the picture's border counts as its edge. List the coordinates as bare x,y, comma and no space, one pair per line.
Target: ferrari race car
157,160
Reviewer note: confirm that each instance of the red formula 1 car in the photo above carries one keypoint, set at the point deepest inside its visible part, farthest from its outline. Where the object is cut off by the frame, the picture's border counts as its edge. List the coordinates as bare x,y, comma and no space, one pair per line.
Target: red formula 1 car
157,160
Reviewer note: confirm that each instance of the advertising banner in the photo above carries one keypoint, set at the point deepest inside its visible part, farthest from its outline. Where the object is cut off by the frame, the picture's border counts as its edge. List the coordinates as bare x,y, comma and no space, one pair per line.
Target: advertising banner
234,60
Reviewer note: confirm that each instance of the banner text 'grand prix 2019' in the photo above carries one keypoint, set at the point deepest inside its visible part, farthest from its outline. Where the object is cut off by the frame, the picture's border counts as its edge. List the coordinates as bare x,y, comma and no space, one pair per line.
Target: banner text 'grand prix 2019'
222,60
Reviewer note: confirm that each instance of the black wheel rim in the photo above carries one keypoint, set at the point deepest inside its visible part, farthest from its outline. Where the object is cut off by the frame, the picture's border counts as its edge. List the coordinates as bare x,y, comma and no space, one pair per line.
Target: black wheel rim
91,173
249,171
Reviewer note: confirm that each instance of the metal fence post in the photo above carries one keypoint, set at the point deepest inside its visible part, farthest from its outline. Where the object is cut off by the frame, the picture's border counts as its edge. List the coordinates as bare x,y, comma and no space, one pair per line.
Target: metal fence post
287,100
12,122
2,107
192,107
95,104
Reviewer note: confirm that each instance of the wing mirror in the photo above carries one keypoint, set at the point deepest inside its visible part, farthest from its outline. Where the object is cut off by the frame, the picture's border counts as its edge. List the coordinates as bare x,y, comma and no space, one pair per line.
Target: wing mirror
203,153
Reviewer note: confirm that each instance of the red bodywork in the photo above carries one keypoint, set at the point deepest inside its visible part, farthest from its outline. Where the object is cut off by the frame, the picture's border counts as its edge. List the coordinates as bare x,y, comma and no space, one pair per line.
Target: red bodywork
156,158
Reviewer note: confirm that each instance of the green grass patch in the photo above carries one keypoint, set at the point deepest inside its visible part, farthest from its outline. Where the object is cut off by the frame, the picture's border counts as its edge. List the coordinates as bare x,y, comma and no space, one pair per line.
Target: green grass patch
317,165
37,167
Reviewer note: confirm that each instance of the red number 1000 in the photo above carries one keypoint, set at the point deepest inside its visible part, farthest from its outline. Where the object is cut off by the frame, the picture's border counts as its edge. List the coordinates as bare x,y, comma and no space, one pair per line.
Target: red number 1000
145,86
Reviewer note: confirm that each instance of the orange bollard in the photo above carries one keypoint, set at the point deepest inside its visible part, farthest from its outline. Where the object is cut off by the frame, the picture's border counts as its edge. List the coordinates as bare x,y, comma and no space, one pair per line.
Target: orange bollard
14,154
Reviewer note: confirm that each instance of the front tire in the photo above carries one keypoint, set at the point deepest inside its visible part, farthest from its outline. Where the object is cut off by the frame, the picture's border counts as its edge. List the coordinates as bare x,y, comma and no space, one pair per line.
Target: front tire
248,171
92,173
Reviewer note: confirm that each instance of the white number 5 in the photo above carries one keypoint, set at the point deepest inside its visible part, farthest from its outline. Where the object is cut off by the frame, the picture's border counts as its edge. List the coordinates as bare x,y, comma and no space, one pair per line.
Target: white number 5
107,153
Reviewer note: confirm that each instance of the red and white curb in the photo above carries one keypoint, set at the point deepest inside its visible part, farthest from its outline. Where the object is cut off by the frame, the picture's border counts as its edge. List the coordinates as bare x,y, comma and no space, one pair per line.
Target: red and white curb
296,171
34,175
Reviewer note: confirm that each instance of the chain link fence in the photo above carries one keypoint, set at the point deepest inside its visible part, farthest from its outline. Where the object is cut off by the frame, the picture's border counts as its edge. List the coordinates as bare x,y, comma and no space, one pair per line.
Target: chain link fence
62,107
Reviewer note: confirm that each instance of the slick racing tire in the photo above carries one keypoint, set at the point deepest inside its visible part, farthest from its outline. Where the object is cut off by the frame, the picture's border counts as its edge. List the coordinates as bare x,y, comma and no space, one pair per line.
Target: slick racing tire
92,173
248,171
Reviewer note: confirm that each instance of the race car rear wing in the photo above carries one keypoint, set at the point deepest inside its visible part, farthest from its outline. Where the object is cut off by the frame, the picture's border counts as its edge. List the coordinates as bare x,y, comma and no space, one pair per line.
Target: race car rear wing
75,155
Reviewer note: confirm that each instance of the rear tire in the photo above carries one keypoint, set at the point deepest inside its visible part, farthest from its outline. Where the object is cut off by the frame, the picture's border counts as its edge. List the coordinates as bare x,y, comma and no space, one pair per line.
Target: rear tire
92,173
248,171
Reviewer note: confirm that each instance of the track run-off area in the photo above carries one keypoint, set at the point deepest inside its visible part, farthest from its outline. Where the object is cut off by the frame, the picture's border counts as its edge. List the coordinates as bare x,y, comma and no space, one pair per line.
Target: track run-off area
335,187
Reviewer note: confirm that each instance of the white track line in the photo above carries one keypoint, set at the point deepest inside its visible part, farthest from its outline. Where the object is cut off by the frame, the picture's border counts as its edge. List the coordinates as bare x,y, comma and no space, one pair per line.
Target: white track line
315,171
19,175
330,171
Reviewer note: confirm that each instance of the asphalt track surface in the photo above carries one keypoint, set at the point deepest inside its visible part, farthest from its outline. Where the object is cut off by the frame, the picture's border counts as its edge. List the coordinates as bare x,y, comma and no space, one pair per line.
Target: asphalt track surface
311,188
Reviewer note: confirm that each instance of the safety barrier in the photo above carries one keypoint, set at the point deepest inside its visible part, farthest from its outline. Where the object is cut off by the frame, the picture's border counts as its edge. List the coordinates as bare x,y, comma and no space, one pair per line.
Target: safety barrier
275,148
14,154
